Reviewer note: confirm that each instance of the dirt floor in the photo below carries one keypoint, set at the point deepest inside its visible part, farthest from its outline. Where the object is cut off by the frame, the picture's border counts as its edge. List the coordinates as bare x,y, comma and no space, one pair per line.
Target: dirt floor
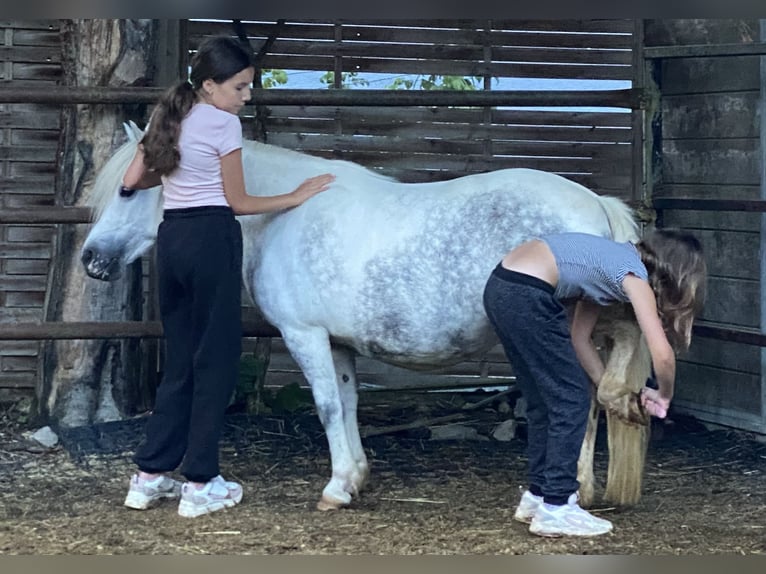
704,491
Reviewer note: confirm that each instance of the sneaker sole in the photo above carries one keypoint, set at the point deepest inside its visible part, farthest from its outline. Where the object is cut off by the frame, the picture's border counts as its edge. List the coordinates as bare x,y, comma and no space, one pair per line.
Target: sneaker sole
138,501
523,519
190,510
563,534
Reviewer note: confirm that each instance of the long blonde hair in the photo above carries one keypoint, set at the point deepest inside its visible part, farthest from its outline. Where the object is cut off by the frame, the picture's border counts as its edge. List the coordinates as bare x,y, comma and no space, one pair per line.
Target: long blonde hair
677,274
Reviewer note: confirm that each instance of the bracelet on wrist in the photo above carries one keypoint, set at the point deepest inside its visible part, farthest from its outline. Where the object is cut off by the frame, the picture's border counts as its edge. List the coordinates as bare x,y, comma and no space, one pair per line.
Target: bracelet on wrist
125,192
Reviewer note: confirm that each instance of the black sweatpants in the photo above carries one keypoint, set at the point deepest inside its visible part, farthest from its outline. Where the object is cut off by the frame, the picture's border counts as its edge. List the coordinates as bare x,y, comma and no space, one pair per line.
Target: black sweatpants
199,258
533,329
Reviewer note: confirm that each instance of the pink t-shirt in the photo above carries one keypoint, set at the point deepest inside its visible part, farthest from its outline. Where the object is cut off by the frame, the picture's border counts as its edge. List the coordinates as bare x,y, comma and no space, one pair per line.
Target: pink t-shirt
207,134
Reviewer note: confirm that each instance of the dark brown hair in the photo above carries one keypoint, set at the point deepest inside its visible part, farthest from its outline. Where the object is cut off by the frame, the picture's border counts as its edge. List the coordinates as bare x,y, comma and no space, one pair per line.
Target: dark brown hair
218,58
677,275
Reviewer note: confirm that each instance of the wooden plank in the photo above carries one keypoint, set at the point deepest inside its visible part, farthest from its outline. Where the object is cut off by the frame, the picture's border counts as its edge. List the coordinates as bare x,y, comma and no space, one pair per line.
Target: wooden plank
47,139
708,191
706,51
466,164
448,49
25,266
423,31
429,145
27,153
29,234
23,283
15,251
720,388
17,381
32,169
58,214
680,32
723,115
620,98
29,54
710,75
732,301
49,37
452,68
9,315
19,348
730,253
49,25
31,71
711,161
454,115
722,220
19,364
385,127
38,119
690,203
723,355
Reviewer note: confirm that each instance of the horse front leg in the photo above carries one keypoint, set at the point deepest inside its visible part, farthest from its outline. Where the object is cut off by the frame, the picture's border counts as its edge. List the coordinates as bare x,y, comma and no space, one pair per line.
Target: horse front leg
311,350
345,370
585,473
627,369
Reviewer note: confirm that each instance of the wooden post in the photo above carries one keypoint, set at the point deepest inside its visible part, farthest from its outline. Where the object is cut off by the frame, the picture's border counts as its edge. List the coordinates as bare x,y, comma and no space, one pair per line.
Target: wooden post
81,382
762,151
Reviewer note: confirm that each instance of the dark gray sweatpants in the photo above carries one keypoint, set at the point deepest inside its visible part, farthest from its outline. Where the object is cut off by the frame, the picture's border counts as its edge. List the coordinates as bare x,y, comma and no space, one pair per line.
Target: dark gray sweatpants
199,258
533,329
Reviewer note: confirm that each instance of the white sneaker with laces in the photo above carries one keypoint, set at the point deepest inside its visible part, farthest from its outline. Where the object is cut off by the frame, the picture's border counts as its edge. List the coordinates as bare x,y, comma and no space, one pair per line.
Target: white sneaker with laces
527,507
144,494
567,520
217,494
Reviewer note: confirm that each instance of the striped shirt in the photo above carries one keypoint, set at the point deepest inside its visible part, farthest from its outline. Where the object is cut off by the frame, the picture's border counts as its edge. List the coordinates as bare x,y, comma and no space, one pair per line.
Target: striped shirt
593,267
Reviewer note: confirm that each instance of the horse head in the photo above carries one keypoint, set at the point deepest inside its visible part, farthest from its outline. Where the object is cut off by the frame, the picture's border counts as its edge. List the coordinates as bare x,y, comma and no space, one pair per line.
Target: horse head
126,227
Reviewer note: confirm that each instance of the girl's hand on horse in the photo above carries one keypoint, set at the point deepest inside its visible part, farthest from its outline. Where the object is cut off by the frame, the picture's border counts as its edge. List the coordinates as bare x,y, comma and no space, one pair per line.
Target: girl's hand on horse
654,403
312,186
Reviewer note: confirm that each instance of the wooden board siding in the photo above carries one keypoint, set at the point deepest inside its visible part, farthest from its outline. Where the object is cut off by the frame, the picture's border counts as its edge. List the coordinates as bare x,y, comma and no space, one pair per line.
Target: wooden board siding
428,144
417,144
712,149
411,143
30,56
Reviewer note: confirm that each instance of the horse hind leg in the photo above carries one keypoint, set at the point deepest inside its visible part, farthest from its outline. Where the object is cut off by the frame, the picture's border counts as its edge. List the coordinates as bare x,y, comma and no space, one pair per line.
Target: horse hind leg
311,350
345,369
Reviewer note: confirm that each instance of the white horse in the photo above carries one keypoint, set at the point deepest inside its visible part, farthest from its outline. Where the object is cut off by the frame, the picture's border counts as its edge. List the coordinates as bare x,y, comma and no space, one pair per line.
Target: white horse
376,267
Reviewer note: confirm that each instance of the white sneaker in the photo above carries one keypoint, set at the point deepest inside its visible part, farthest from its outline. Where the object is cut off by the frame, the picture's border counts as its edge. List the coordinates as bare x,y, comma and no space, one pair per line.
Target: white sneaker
567,520
144,494
217,494
527,507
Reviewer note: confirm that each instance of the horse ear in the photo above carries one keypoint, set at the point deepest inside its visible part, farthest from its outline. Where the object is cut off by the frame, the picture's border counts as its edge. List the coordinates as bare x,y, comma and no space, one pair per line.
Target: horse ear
133,132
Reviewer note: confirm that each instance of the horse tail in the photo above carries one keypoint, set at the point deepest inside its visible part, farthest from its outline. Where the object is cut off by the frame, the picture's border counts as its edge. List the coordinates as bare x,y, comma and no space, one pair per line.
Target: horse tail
621,218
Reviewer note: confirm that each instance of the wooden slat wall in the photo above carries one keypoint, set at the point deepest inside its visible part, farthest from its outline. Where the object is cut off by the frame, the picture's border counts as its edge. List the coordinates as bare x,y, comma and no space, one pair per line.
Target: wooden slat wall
30,56
413,144
711,148
427,144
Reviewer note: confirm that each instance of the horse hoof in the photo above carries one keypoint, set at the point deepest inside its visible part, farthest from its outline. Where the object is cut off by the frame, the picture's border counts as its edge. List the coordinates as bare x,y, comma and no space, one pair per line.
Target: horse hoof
328,503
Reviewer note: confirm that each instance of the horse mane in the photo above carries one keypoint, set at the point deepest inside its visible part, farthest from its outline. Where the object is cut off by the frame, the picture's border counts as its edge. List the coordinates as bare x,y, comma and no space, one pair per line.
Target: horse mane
110,178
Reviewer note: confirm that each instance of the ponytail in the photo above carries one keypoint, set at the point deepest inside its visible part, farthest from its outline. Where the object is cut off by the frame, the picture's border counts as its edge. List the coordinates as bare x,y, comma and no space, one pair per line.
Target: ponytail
160,141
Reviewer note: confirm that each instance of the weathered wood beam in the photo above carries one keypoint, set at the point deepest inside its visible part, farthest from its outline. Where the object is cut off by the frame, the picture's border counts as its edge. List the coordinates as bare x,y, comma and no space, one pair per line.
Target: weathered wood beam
109,330
751,205
628,98
705,51
46,215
